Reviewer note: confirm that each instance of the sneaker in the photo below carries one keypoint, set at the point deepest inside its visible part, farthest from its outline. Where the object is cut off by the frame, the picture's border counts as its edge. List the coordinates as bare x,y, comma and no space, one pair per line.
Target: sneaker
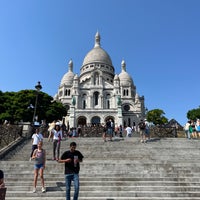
141,141
34,190
43,190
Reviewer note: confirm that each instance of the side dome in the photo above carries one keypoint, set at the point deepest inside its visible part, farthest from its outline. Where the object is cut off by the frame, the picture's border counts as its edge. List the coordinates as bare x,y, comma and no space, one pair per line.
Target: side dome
97,54
69,76
124,77
116,77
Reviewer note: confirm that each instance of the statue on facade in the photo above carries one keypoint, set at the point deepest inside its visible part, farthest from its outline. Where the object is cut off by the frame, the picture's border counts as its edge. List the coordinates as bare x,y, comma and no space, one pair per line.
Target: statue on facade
119,102
73,101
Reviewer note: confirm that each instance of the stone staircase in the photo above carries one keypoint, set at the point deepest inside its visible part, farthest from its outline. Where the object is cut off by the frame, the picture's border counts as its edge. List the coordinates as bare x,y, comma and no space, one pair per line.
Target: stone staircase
167,168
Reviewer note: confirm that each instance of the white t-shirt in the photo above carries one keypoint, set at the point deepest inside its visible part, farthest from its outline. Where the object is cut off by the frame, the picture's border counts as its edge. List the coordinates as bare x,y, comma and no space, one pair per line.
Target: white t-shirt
186,127
147,125
57,134
37,138
128,130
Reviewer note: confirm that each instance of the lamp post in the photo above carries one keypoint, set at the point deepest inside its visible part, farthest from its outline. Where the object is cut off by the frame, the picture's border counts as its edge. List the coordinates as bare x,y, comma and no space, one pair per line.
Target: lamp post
38,87
146,111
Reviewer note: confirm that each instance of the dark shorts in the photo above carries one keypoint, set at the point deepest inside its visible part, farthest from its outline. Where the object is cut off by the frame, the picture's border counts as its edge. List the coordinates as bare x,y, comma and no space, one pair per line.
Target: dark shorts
147,132
38,166
110,131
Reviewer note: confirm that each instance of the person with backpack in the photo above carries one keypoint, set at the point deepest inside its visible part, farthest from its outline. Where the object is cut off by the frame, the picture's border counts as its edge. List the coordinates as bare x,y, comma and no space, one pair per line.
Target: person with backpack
142,127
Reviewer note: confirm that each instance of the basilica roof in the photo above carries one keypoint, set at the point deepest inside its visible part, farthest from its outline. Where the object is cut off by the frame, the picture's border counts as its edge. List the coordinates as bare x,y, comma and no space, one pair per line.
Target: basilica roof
97,54
69,76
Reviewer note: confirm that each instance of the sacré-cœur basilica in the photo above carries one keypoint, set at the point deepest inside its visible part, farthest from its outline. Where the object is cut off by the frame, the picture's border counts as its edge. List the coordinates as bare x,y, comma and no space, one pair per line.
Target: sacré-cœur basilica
98,94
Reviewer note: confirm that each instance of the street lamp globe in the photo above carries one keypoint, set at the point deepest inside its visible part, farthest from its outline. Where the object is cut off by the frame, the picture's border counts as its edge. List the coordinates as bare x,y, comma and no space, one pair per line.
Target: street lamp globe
38,87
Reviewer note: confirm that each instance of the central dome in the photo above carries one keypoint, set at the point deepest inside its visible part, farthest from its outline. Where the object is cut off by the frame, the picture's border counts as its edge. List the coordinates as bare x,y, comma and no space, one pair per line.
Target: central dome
97,54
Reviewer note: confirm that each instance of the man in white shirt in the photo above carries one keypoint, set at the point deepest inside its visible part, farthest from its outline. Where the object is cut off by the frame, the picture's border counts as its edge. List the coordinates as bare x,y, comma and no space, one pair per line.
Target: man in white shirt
186,128
128,131
36,138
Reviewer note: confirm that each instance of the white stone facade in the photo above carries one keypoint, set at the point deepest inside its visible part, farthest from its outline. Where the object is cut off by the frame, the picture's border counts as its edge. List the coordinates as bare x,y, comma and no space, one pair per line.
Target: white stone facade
99,94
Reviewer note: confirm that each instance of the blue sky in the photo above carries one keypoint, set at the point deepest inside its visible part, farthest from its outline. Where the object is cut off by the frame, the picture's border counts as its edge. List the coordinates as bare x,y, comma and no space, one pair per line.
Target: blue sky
158,39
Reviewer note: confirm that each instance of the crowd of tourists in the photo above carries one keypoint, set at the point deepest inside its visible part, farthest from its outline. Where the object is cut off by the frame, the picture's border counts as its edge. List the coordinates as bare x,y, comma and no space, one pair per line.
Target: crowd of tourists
192,129
110,131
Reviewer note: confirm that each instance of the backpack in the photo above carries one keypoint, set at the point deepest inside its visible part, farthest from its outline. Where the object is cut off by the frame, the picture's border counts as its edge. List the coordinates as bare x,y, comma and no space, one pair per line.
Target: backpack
142,125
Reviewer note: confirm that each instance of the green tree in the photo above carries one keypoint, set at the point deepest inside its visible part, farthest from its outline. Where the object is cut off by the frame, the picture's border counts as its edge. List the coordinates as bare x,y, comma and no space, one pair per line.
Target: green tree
193,114
156,116
16,106
6,106
56,111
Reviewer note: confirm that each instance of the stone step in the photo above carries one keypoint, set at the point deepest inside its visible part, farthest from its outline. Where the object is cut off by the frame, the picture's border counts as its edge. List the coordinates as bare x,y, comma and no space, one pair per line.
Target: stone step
103,198
94,150
112,167
112,188
135,153
107,194
148,178
107,182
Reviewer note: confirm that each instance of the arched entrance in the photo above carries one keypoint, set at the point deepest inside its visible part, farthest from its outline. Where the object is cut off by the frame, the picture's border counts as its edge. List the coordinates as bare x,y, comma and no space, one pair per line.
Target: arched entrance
82,121
108,118
95,120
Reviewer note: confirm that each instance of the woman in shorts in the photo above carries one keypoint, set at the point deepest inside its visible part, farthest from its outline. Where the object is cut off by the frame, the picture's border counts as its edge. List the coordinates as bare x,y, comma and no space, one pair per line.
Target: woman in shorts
39,155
